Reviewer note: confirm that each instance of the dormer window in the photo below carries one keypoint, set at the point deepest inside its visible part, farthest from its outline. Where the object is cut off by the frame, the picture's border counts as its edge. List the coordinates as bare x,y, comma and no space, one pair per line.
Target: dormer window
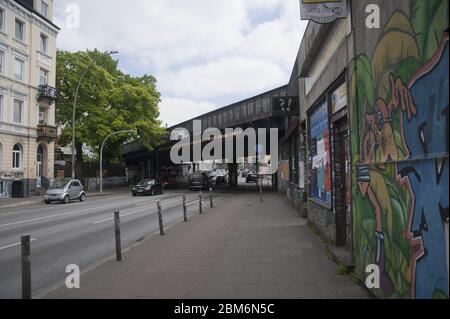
44,9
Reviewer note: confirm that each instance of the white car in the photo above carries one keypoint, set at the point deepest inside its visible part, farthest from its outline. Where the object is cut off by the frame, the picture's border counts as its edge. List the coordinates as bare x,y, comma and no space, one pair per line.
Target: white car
65,190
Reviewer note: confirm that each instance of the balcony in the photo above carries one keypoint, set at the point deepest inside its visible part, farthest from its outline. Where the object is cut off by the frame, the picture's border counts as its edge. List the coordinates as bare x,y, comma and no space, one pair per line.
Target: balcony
47,92
47,132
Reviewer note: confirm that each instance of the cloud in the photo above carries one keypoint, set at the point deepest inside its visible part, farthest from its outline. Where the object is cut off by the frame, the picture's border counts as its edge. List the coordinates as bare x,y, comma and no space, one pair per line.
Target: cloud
222,77
199,50
176,110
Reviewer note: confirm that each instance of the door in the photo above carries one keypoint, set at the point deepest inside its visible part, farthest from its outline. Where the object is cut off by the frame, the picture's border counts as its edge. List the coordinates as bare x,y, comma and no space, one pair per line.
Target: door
340,183
74,190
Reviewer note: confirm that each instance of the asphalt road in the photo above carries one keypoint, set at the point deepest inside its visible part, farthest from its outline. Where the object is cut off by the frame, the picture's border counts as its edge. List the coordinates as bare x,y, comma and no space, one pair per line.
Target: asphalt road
81,233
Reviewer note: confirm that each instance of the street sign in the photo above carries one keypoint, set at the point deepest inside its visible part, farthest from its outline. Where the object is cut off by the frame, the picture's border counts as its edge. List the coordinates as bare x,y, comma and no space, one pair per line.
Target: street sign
323,11
285,105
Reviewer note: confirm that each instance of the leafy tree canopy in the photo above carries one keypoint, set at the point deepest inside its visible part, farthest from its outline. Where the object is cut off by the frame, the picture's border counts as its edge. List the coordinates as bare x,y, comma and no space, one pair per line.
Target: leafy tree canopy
108,101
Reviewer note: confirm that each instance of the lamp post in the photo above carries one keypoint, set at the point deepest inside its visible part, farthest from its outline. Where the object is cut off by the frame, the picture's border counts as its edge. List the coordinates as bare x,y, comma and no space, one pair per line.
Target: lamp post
101,153
75,106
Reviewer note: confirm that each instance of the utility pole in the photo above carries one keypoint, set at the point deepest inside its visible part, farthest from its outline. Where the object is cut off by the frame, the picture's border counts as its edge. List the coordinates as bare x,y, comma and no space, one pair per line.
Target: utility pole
75,99
101,153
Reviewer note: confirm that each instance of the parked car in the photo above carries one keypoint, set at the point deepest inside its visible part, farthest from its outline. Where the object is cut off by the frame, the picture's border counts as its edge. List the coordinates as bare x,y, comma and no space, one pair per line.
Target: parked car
221,176
201,181
65,190
251,178
169,182
244,173
147,187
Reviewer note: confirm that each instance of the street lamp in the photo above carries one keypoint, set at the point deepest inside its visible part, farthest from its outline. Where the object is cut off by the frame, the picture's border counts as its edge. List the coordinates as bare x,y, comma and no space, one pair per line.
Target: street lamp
75,106
101,153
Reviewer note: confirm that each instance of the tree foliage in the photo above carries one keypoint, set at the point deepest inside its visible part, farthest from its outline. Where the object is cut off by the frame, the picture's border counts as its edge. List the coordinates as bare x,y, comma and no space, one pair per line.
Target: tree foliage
108,101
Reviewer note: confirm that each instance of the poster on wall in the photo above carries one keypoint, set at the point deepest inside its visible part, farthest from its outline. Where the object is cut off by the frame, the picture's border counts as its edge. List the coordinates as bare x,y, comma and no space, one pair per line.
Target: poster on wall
319,157
339,98
323,11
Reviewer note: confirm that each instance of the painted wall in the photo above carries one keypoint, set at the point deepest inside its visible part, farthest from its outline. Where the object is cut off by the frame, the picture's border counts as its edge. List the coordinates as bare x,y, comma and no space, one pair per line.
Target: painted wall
399,101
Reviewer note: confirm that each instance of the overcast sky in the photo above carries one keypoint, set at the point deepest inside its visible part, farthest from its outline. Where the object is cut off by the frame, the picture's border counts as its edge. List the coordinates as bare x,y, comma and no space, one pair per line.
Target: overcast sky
204,54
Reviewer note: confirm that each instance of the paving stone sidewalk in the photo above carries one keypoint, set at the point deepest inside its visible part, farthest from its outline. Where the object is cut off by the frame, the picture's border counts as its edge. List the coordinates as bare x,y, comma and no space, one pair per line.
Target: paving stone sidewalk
240,249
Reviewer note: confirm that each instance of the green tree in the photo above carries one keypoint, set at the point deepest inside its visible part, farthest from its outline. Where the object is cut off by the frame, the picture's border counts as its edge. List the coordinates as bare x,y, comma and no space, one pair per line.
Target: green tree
108,100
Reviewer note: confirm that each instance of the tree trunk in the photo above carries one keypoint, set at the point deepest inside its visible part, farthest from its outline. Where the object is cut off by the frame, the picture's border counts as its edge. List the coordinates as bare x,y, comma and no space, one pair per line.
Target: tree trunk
79,153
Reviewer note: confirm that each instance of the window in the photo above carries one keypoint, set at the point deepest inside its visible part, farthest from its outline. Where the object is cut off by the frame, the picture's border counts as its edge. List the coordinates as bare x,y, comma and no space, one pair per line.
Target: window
44,43
2,102
75,184
2,19
43,77
20,30
2,62
17,156
18,111
42,115
19,68
44,9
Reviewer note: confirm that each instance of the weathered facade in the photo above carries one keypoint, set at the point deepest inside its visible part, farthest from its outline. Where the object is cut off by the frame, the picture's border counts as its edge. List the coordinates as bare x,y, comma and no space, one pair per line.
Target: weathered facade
27,95
374,102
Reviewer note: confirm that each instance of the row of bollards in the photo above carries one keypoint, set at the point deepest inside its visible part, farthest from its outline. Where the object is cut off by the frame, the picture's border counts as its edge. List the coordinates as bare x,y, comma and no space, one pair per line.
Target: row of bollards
160,219
26,248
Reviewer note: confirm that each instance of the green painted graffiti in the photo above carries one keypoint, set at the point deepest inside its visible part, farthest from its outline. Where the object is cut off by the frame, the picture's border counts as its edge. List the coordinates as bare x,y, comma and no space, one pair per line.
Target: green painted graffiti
385,108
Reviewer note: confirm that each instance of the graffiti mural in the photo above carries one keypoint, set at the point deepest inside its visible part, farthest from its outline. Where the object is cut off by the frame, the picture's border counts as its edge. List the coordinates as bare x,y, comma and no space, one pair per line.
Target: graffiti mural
399,113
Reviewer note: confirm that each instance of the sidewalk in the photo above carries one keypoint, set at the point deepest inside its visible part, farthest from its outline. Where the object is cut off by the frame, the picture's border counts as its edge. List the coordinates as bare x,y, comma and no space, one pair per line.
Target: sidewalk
18,202
240,249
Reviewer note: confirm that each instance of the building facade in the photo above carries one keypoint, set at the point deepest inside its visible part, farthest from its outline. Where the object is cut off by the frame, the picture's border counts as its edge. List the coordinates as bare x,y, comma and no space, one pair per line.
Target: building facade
27,96
373,92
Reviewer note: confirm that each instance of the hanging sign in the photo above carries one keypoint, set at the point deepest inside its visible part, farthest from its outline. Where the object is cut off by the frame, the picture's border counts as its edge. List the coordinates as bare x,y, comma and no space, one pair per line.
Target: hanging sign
323,11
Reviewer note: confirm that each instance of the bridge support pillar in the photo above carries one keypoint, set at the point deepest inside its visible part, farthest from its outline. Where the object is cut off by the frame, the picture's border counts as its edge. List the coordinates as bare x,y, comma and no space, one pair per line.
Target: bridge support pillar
232,174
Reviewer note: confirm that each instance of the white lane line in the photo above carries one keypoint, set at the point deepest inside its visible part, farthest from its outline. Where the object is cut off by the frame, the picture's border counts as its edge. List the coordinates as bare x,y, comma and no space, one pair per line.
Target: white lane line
146,203
16,244
124,215
167,203
57,215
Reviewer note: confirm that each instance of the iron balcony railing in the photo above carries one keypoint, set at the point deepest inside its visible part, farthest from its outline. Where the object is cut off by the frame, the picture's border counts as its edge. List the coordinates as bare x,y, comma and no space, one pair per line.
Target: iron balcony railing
47,132
47,92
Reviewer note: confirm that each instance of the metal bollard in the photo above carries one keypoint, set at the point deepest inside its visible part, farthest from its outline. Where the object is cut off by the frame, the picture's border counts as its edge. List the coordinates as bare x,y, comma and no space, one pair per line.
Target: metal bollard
26,267
117,233
160,219
184,208
200,210
210,198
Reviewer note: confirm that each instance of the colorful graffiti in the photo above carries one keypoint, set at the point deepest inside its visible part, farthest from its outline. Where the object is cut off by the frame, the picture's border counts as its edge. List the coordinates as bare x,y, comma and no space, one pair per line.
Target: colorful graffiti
399,111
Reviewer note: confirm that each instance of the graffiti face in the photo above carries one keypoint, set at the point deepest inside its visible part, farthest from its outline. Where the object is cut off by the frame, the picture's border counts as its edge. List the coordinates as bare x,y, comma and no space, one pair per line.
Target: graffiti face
427,135
399,99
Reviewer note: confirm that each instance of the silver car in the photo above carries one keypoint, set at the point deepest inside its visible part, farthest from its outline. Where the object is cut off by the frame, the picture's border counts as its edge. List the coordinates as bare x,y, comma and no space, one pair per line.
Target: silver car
65,190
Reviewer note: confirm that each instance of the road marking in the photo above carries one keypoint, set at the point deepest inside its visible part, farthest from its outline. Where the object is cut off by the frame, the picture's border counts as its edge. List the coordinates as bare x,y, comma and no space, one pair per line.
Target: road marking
168,203
146,203
53,216
16,244
124,215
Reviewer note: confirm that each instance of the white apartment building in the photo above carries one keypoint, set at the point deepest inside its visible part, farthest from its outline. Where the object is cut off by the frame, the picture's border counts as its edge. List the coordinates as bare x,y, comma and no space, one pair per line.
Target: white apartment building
27,96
